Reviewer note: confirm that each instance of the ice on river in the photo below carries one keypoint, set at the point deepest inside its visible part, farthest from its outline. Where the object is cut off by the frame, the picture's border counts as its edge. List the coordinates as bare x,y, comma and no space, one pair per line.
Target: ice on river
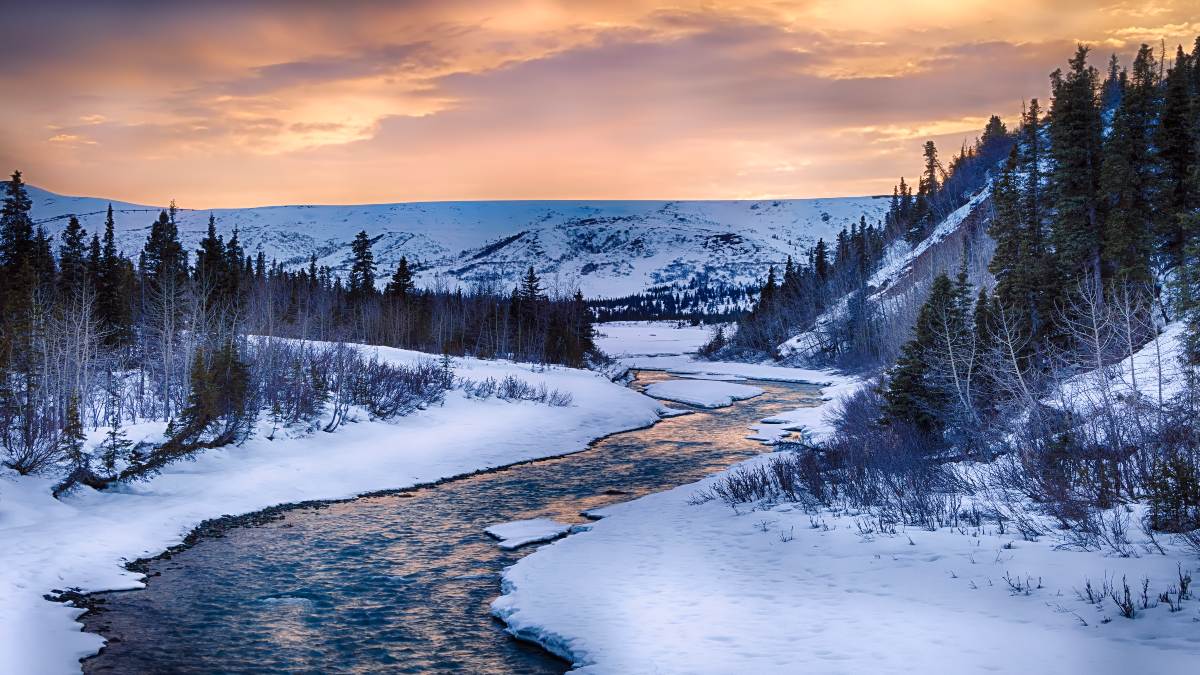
518,533
703,393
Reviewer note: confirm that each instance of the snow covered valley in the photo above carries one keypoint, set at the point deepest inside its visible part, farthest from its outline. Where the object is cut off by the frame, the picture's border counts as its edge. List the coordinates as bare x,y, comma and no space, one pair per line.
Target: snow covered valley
664,581
403,577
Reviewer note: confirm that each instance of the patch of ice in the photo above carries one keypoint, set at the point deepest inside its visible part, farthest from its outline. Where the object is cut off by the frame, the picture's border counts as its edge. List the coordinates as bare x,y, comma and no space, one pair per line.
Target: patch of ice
703,393
519,533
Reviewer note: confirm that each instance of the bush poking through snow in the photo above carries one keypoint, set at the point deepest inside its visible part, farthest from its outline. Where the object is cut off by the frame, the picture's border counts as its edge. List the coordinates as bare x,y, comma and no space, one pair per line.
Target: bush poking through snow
514,389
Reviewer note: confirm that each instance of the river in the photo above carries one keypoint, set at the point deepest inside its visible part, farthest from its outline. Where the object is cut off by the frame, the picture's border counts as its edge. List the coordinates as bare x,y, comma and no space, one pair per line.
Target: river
401,582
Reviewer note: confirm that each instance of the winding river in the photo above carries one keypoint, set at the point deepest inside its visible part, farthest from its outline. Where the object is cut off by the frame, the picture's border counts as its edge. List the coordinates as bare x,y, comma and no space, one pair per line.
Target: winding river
401,582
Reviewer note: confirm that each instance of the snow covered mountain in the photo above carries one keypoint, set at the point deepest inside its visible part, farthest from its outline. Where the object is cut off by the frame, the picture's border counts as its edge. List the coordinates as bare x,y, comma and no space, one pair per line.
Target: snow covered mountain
606,248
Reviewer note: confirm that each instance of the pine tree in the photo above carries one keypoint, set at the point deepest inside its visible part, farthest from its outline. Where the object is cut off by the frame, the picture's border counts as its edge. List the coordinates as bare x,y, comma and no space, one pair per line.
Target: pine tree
114,290
116,445
1176,139
1074,182
17,293
72,438
1112,89
531,288
912,396
362,269
1127,177
164,259
211,267
1009,264
44,267
235,278
402,281
821,261
766,298
16,227
73,261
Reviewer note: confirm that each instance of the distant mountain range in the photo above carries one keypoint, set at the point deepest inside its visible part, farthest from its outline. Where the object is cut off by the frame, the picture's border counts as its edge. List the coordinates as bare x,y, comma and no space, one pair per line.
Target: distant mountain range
605,248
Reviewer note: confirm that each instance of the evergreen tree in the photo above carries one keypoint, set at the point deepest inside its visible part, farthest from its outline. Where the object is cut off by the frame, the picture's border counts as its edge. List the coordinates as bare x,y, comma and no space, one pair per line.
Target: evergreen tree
912,395
1112,89
72,437
44,267
401,284
114,290
17,251
821,261
766,297
1127,176
95,257
164,260
531,288
362,269
16,227
1074,182
211,267
1176,140
73,261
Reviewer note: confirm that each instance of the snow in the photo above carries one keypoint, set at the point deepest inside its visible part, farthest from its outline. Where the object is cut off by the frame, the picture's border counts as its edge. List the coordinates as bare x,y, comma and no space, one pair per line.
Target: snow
683,588
82,540
702,393
518,533
809,422
606,248
650,338
896,265
686,587
1156,370
812,423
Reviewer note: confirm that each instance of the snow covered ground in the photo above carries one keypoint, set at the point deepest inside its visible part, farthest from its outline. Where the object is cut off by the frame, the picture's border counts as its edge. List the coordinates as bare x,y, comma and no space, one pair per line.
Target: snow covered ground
650,338
82,540
519,533
676,586
701,392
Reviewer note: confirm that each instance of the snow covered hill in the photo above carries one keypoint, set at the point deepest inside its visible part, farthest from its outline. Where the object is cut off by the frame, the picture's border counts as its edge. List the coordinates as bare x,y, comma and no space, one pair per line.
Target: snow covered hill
606,248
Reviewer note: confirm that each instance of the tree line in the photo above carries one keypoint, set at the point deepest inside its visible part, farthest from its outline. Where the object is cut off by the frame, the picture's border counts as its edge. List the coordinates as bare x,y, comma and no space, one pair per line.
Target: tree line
1096,223
840,271
91,337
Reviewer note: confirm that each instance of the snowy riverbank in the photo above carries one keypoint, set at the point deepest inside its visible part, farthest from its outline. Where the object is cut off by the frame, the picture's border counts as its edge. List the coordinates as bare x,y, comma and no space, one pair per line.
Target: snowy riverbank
685,587
83,540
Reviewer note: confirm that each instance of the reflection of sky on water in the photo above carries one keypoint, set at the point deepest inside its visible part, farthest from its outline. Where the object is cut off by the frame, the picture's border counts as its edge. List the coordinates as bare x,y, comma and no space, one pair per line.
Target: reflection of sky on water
400,583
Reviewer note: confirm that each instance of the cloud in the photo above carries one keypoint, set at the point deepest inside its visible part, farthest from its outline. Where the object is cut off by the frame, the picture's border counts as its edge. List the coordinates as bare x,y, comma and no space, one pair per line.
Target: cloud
228,103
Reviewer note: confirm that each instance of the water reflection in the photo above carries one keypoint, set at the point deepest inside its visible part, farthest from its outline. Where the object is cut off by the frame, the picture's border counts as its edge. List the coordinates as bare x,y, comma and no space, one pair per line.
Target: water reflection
399,583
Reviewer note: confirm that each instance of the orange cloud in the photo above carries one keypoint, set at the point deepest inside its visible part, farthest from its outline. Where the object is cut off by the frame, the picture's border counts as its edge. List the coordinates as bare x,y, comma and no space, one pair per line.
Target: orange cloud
254,103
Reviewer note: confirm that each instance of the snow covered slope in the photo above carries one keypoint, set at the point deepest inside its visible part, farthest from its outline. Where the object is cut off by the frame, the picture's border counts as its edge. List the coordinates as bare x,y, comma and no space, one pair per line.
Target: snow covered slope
606,248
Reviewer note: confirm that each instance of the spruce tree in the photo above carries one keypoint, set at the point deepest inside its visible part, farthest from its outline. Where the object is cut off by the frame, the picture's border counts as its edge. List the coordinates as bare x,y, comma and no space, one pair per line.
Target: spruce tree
402,281
1175,139
72,438
362,269
912,395
115,287
821,262
210,266
73,261
1127,177
1074,181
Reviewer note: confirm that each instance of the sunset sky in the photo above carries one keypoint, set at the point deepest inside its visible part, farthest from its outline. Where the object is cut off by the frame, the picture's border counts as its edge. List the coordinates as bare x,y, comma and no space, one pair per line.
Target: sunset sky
244,104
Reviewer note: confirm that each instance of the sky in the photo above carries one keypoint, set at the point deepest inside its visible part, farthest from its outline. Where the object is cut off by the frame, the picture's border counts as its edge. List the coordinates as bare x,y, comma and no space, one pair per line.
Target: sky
223,104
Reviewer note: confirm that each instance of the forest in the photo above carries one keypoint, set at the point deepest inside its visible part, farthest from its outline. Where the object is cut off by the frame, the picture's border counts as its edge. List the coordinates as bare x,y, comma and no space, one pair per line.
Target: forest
1046,359
214,340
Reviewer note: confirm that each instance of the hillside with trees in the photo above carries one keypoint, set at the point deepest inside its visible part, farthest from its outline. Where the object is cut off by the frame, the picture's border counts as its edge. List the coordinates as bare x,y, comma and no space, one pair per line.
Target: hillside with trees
1064,355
